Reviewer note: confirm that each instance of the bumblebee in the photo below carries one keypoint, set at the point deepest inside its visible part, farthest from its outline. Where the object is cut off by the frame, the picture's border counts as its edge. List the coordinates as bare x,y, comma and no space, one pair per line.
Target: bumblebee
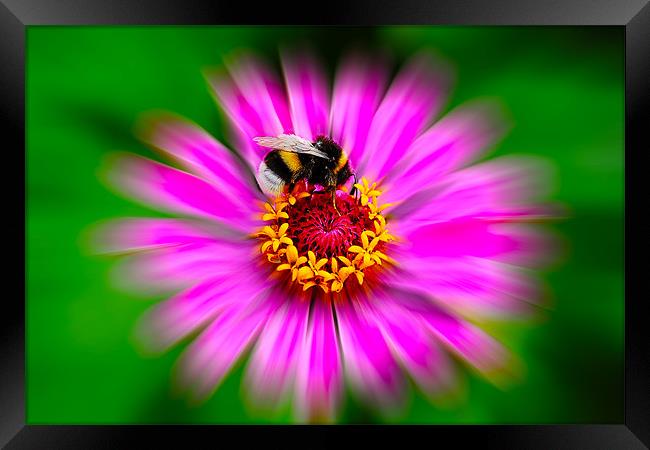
294,159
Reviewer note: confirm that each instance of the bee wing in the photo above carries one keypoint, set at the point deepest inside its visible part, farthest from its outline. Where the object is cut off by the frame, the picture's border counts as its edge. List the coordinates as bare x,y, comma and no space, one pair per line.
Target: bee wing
290,143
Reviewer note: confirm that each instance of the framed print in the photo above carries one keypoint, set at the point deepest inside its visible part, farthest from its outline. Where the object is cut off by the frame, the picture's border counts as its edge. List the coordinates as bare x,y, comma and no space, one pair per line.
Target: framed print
411,217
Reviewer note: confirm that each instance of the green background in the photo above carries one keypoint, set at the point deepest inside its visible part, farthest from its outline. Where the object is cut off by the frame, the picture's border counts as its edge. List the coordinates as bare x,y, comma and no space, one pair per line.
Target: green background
86,86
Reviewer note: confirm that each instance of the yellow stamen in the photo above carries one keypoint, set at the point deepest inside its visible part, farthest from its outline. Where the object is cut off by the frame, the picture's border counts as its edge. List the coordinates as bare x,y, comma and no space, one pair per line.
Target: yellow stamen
375,209
275,213
276,258
340,275
367,253
294,262
276,237
367,191
352,267
381,232
293,199
320,278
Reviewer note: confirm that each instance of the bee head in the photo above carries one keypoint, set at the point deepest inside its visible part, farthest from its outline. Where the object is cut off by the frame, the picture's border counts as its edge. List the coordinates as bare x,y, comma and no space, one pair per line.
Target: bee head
330,148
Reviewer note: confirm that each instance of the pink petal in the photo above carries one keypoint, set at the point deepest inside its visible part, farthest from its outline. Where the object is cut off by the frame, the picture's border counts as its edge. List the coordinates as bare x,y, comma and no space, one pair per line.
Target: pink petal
512,243
319,383
254,101
449,144
262,88
415,348
273,363
200,153
177,191
178,267
472,286
458,238
368,362
129,235
462,338
308,92
502,188
169,322
536,246
358,88
411,102
210,357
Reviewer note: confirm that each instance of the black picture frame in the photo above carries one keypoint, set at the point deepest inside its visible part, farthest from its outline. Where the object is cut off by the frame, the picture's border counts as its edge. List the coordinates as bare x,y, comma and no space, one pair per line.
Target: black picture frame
633,15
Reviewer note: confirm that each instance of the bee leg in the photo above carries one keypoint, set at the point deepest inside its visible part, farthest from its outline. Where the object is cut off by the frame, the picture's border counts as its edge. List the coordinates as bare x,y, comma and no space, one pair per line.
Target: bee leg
354,190
334,201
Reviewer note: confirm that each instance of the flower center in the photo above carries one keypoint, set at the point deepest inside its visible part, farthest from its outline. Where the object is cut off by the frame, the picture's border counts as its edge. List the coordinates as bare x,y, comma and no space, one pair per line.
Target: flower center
316,243
315,225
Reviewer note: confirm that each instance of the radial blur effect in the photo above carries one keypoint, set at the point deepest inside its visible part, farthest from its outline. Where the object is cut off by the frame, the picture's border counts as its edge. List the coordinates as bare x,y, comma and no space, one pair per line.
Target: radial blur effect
476,253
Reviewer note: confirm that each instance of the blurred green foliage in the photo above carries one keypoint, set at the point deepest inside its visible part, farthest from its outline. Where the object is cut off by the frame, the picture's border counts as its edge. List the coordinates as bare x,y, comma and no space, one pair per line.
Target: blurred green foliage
86,87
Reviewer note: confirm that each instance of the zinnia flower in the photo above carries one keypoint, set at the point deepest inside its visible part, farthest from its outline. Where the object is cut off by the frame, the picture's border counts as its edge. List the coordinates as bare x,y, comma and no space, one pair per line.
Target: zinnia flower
386,286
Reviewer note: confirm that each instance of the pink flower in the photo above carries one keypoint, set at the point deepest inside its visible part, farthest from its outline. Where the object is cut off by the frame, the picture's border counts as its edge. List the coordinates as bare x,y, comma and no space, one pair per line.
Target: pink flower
390,286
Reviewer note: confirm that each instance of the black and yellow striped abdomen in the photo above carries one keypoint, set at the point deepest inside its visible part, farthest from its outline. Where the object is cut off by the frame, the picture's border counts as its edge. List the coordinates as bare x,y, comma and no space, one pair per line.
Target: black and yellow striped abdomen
281,168
286,165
